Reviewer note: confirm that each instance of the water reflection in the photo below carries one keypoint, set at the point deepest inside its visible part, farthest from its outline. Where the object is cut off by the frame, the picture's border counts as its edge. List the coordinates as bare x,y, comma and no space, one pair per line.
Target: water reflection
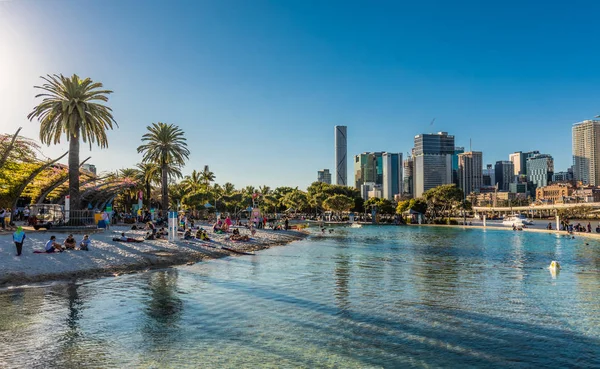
163,306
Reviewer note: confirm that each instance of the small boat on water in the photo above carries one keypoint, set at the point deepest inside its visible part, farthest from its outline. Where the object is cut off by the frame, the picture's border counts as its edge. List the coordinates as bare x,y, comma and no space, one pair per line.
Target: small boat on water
516,220
355,225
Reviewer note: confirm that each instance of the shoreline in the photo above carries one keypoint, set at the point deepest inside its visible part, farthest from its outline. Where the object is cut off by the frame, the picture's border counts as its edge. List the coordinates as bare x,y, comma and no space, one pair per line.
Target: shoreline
109,258
496,228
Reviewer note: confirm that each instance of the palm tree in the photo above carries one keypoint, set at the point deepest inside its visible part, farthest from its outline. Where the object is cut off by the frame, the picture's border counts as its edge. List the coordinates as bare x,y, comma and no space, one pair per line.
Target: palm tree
70,106
264,190
193,183
148,173
207,176
165,146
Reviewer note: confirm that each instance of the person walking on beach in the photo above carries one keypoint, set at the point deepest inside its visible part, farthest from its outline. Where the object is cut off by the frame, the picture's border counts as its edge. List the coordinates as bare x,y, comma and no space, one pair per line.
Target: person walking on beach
18,238
2,215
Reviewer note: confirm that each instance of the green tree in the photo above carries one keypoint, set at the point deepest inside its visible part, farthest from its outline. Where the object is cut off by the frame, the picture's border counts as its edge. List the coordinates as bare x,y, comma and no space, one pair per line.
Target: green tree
207,176
338,203
194,182
73,107
442,198
148,174
165,145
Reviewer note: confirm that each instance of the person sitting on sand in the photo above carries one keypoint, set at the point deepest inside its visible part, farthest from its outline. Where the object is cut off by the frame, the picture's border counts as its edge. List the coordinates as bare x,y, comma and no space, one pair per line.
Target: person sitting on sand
162,233
188,234
85,243
236,232
53,246
70,243
226,225
149,236
151,227
204,236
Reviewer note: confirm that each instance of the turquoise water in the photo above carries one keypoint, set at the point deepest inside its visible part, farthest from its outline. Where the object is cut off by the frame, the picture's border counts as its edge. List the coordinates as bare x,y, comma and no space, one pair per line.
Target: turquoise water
390,297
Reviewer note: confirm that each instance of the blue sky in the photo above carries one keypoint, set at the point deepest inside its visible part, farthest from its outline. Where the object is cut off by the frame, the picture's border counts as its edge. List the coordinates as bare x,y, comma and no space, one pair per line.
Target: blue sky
259,85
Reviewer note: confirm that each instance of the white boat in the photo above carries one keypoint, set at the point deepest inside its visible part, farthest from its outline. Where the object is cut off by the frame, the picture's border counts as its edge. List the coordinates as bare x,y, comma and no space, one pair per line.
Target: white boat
517,220
355,225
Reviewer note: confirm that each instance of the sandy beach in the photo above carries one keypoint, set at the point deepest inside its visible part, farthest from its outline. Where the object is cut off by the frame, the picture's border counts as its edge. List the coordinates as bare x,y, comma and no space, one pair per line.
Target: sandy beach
107,257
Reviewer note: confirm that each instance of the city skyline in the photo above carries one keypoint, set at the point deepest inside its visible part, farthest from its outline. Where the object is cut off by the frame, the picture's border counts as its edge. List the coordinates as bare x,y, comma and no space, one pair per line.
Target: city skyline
271,79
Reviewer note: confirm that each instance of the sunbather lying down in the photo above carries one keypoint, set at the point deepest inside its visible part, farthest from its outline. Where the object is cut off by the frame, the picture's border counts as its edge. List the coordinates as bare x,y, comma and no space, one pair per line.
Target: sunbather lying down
237,237
126,239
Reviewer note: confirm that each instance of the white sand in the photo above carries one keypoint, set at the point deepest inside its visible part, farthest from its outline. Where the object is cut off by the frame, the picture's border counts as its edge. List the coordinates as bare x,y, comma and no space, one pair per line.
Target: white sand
110,257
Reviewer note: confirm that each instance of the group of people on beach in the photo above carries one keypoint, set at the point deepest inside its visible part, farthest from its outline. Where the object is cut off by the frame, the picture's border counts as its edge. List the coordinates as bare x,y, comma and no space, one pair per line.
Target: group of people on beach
51,245
68,244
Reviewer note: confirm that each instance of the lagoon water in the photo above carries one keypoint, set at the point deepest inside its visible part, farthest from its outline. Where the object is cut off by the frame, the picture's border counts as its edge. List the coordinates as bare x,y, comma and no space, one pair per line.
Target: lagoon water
389,297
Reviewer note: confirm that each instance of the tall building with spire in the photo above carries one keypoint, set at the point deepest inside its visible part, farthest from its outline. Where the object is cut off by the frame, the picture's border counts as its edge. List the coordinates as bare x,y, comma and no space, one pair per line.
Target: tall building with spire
586,152
341,152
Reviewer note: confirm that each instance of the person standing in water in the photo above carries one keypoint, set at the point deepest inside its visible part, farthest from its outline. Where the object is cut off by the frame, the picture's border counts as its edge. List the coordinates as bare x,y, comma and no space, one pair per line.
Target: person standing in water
19,238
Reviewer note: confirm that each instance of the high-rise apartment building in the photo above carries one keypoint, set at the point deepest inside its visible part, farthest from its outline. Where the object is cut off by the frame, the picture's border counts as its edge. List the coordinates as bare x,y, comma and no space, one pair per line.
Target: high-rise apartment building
392,175
504,173
341,160
324,176
540,169
470,176
586,152
432,157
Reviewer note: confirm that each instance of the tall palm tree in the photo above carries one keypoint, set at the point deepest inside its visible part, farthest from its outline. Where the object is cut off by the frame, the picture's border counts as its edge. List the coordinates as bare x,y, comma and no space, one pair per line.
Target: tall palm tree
164,145
73,107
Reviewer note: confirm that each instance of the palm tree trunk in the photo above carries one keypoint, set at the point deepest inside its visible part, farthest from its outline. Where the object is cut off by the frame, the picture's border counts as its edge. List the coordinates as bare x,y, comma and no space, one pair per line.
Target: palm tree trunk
148,190
165,190
74,172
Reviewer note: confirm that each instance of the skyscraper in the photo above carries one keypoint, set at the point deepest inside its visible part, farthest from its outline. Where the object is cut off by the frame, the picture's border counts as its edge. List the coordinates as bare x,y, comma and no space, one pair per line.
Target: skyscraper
368,167
324,176
470,165
407,187
341,151
432,157
392,175
540,169
504,173
457,150
586,152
